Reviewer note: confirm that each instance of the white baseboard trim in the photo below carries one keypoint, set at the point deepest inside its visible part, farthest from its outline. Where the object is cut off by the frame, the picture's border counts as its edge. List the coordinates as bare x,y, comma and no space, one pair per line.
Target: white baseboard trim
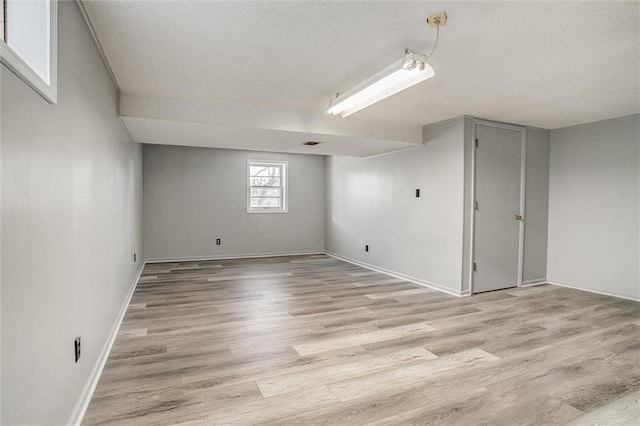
232,256
395,274
634,298
85,397
531,283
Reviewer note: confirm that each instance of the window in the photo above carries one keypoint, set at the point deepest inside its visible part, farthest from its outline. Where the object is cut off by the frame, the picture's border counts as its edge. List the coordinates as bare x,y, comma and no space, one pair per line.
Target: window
266,187
28,44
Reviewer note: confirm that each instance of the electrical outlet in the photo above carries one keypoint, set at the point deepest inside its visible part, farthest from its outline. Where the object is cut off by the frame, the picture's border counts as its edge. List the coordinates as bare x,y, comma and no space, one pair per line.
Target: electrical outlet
417,193
77,345
135,258
438,19
218,241
366,248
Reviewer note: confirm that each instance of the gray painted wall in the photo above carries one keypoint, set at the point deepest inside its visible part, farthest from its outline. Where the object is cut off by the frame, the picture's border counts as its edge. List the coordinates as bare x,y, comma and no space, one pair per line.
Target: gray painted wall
372,201
194,195
71,220
594,207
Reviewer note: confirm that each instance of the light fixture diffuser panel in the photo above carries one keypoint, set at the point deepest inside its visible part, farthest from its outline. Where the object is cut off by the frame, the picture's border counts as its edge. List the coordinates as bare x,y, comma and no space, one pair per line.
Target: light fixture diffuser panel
388,82
388,86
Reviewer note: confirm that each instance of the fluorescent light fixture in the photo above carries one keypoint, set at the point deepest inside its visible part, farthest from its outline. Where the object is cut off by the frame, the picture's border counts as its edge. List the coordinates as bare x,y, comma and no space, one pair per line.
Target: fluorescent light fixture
402,74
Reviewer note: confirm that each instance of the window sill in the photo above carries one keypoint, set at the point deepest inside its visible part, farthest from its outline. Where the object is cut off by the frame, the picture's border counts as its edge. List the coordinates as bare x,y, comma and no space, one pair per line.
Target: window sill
267,211
17,66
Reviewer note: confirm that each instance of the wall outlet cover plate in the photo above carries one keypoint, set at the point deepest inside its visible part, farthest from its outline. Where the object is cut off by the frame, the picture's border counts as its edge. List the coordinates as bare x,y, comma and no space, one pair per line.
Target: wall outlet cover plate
438,19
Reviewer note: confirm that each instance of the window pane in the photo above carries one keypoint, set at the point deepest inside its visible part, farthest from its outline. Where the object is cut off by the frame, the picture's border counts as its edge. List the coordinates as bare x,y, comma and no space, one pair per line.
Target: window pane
28,33
265,202
264,181
265,192
265,171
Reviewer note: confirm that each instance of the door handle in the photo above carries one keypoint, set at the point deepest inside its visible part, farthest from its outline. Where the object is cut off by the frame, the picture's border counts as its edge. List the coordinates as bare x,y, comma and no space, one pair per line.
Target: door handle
519,218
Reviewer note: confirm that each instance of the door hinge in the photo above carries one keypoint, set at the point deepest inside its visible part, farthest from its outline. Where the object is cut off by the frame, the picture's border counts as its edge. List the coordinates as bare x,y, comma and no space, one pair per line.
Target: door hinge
476,143
475,267
475,205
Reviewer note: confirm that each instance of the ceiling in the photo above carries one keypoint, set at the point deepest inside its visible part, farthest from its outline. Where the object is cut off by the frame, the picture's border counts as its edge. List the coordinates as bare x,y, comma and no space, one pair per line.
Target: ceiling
259,75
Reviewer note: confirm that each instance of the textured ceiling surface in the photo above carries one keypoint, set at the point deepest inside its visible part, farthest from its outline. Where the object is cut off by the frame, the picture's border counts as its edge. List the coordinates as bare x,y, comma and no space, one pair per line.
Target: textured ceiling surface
544,64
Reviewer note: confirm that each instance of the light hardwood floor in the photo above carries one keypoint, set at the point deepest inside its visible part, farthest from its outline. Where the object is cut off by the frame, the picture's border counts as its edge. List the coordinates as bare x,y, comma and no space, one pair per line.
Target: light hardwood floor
313,340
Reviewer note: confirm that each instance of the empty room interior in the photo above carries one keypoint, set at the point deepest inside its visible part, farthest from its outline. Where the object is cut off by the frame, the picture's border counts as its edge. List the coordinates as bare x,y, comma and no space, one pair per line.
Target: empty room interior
320,212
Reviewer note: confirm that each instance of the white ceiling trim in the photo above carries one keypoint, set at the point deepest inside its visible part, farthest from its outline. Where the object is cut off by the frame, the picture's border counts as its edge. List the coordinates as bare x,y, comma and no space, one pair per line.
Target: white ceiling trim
97,43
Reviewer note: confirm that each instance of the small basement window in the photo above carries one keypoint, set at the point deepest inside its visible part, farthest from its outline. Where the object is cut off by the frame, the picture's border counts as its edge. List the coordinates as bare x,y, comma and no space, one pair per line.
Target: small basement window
266,186
28,43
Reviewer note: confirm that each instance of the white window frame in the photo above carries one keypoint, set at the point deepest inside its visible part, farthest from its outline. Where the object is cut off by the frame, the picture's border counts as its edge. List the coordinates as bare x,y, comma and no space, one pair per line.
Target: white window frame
2,27
284,185
48,90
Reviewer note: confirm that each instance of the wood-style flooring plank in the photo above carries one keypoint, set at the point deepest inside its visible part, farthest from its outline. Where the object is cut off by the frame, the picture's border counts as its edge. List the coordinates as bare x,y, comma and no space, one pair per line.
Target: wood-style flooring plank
291,382
622,412
361,338
359,411
266,409
409,375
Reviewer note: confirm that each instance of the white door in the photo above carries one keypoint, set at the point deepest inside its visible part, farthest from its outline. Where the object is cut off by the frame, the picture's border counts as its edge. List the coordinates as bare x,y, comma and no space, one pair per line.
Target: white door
497,227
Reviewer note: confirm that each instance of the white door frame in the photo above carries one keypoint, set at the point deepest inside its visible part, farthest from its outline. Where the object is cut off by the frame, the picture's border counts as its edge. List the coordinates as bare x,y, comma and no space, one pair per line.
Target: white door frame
523,176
